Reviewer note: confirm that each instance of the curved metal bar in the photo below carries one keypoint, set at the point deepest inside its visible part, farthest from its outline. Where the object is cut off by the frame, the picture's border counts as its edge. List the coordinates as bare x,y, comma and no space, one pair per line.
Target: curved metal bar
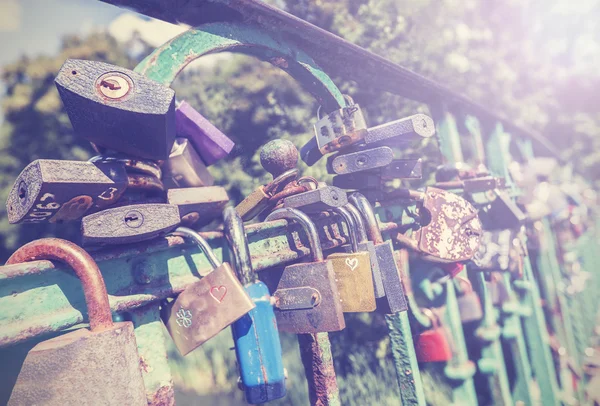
200,241
165,63
349,219
233,229
309,227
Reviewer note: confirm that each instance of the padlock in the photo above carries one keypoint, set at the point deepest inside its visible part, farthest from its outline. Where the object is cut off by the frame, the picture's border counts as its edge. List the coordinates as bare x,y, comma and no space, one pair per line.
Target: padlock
317,200
358,161
352,270
359,181
340,128
117,108
56,191
185,168
400,132
500,250
257,201
198,205
451,230
99,366
365,245
395,299
209,142
129,224
502,213
255,334
498,292
433,345
205,307
306,297
469,304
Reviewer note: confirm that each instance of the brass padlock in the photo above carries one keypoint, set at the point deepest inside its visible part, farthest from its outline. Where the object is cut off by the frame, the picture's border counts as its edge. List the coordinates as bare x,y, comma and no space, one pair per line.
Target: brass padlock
307,300
99,366
257,201
352,270
206,307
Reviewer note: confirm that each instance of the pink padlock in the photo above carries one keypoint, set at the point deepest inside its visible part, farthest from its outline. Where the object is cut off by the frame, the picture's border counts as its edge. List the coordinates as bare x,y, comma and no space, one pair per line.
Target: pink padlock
210,143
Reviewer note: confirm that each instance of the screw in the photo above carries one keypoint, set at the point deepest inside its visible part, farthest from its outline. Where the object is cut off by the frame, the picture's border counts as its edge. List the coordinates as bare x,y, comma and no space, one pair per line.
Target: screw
113,85
133,219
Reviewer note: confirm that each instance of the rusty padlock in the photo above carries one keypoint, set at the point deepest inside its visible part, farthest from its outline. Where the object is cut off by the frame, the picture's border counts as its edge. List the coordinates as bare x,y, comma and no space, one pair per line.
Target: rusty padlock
433,345
99,366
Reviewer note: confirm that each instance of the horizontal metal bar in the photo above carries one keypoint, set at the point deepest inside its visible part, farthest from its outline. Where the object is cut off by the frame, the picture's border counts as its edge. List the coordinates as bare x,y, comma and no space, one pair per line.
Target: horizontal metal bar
36,298
334,54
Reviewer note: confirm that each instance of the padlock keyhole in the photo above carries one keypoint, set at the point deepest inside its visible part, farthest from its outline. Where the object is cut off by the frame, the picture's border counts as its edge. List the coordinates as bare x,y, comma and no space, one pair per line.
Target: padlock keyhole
22,192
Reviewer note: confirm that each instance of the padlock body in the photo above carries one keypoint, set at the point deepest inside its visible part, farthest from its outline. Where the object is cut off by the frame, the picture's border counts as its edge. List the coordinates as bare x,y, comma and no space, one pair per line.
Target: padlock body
138,119
129,224
403,169
307,298
433,346
363,160
358,180
57,191
210,143
258,349
395,298
58,371
503,213
401,132
253,204
205,308
470,307
454,232
199,205
317,200
185,168
375,270
354,281
340,128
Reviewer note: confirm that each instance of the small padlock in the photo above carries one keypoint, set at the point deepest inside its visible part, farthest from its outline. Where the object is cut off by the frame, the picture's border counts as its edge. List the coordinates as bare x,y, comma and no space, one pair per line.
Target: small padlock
399,132
117,108
317,200
102,362
306,297
198,205
129,224
358,161
433,345
210,142
185,168
498,292
205,307
502,213
353,272
469,304
500,250
340,128
395,299
57,191
255,334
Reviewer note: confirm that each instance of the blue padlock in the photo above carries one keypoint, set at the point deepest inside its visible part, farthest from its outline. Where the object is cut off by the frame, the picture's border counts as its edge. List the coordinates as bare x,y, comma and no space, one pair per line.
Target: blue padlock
255,335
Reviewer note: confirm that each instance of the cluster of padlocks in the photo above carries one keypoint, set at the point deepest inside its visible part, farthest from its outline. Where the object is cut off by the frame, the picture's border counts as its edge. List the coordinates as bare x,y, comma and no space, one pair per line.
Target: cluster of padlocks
150,181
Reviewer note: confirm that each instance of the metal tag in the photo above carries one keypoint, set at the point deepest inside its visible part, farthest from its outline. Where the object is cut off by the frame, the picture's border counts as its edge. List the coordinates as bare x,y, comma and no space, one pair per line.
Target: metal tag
405,130
363,160
303,297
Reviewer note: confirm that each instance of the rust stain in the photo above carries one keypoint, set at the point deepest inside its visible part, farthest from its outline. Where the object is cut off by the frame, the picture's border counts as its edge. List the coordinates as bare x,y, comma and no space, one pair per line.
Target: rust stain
164,396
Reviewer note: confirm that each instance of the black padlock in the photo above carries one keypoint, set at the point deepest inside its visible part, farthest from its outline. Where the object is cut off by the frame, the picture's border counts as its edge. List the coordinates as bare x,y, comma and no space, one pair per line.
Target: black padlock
320,199
117,108
358,161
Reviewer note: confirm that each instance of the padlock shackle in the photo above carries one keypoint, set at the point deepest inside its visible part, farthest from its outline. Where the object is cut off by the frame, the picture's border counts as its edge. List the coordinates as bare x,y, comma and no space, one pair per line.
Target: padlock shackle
351,223
368,214
84,266
361,232
233,229
309,227
200,242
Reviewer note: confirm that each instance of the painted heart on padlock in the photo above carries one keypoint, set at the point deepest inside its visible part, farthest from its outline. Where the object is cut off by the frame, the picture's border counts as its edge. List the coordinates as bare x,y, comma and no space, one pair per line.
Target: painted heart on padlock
218,293
352,263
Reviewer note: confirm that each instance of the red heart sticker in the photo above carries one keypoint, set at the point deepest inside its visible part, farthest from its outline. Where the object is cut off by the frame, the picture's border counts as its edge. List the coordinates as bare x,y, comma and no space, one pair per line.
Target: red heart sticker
218,292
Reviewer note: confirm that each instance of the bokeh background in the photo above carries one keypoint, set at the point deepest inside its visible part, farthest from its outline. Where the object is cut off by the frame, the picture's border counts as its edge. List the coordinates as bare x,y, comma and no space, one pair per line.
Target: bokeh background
536,61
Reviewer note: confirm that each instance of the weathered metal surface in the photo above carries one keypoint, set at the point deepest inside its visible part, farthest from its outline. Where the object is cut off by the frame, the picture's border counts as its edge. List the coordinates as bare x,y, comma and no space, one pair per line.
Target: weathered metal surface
315,350
278,156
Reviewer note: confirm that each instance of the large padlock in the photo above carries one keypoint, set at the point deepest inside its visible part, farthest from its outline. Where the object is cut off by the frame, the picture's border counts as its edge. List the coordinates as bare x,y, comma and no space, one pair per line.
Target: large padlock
469,304
352,270
306,297
185,168
255,334
99,366
210,142
56,191
129,224
117,108
433,345
206,307
395,299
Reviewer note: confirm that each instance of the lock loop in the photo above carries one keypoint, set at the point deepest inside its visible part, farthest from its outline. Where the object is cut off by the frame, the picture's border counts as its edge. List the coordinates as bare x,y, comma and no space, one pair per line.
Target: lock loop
309,227
349,219
235,234
200,242
84,266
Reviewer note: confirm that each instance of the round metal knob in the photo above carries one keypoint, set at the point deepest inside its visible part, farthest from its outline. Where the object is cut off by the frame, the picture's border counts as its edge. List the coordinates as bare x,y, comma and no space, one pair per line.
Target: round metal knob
278,156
